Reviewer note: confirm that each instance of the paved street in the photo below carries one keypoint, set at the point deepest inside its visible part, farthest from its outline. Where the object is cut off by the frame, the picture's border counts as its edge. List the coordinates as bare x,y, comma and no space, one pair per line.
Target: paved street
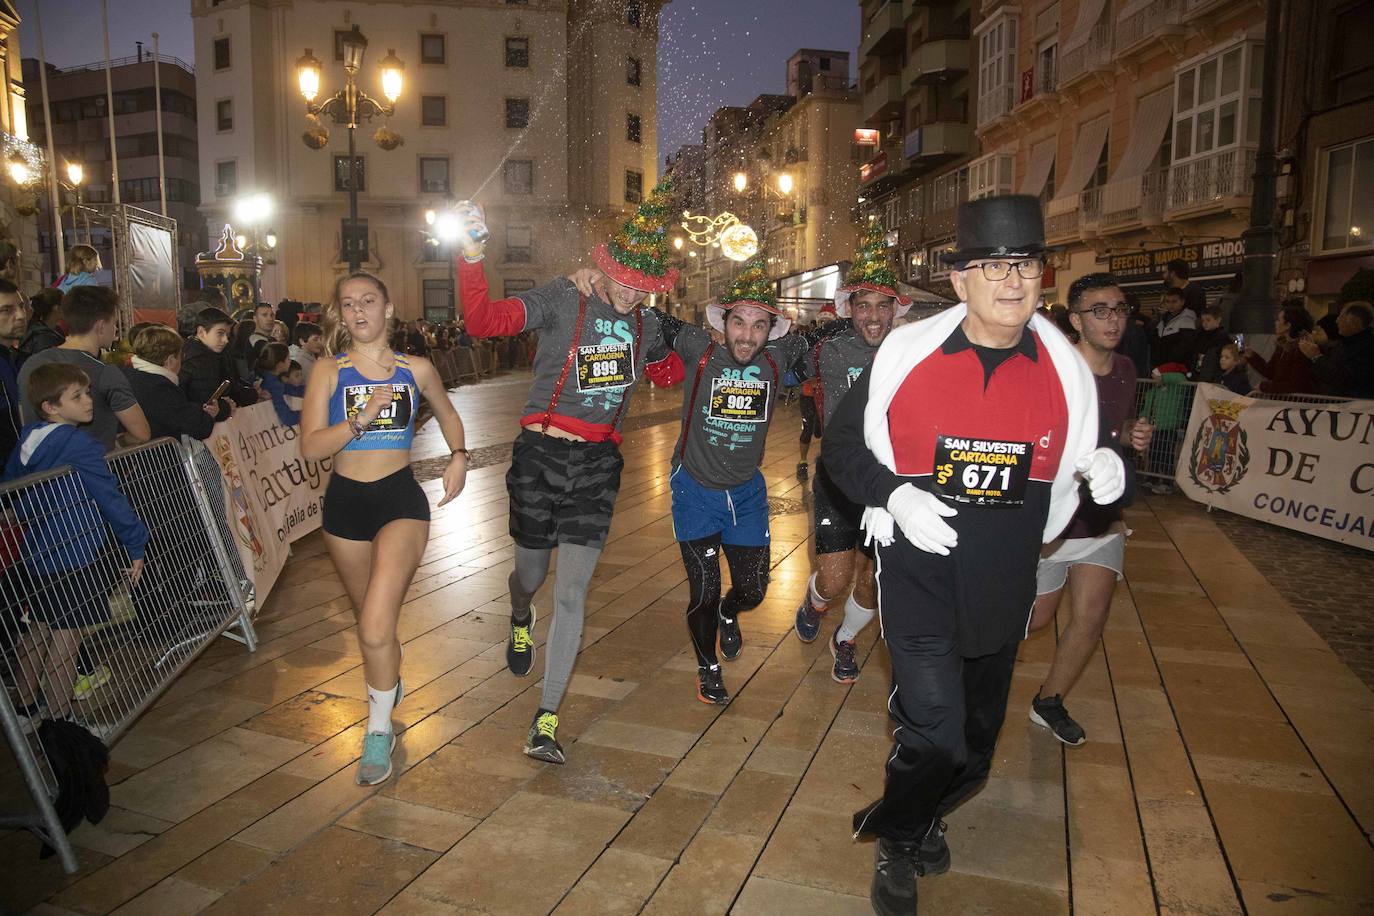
1228,767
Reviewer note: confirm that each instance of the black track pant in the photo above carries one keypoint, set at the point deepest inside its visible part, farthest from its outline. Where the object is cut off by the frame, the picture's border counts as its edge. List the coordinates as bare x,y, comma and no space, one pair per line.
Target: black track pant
748,583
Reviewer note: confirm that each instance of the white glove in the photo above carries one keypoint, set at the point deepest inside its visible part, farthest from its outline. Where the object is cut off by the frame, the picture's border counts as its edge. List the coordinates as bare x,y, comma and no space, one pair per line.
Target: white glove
1105,473
921,517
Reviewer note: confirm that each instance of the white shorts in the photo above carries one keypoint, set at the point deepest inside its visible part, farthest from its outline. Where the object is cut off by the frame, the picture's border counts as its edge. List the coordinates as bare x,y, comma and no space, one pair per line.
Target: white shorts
1108,551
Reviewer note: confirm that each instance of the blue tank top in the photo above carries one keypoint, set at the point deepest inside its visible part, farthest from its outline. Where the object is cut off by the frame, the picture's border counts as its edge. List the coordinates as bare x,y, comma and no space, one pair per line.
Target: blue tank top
394,428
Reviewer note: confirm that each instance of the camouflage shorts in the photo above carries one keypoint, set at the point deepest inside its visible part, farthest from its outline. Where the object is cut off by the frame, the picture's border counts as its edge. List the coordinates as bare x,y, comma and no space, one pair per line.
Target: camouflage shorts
561,492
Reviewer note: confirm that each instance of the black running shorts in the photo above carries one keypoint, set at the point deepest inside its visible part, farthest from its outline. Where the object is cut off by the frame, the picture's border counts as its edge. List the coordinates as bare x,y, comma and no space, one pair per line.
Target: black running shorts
561,491
356,510
836,516
808,415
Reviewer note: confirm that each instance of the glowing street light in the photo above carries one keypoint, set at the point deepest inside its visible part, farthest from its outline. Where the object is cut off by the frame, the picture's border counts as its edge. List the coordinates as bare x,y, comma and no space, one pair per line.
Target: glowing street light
741,182
308,75
677,242
392,76
75,173
785,183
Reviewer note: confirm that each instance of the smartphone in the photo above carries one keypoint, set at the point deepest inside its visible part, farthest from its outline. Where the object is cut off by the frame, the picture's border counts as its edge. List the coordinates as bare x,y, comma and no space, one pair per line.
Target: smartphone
219,392
1240,342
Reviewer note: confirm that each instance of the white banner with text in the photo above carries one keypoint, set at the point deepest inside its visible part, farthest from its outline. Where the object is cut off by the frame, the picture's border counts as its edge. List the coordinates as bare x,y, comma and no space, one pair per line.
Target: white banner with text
1309,467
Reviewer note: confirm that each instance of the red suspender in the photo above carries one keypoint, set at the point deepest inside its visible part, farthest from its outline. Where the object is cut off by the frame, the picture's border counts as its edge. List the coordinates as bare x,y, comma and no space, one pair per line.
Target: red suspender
769,356
567,363
634,355
820,389
692,404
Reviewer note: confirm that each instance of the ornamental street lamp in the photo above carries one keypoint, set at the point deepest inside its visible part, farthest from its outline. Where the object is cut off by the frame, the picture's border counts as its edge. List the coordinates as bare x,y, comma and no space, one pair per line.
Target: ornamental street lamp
252,211
350,106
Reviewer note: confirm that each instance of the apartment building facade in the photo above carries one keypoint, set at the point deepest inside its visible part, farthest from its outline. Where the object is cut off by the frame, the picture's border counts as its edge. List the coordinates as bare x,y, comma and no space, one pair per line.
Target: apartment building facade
542,111
18,205
81,135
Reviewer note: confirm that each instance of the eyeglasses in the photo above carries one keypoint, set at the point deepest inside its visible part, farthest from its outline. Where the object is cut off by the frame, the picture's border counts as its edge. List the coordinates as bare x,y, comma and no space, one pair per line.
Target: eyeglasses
996,271
1103,312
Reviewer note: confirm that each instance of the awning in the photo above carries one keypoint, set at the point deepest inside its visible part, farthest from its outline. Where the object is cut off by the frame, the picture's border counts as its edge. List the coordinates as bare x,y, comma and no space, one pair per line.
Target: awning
1038,167
1152,116
1086,153
1089,12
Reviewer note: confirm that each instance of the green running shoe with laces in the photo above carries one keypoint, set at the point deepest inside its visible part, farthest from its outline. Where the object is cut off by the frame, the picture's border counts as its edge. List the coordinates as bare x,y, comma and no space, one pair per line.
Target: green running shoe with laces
375,764
542,743
88,684
520,648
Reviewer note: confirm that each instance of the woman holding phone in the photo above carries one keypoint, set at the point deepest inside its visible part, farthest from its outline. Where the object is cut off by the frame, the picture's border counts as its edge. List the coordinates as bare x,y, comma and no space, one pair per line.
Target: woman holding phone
360,410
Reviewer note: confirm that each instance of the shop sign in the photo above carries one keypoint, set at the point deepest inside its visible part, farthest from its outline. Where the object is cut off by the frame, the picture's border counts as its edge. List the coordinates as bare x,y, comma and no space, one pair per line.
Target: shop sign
1205,259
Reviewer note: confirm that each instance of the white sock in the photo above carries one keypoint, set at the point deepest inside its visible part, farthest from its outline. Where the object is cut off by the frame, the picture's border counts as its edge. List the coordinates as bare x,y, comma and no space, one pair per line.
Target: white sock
379,703
818,603
856,617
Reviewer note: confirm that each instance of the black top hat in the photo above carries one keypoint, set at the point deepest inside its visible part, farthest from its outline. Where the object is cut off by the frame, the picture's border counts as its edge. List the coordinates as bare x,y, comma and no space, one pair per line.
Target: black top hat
1006,226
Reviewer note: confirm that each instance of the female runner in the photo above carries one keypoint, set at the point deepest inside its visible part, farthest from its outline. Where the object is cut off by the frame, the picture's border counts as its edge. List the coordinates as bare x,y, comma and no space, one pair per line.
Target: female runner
360,409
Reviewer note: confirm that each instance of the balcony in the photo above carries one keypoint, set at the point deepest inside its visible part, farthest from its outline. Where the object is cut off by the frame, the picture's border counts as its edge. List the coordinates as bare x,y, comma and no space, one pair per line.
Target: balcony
885,32
937,140
883,101
1061,218
1142,25
937,61
1221,181
1091,57
995,103
1130,203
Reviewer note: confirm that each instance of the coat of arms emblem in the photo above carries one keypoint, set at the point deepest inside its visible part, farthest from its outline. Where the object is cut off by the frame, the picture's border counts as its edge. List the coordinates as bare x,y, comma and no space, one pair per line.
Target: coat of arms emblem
1220,455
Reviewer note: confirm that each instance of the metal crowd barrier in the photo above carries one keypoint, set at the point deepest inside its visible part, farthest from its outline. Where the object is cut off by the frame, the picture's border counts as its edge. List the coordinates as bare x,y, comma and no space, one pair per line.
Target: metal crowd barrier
78,640
1170,405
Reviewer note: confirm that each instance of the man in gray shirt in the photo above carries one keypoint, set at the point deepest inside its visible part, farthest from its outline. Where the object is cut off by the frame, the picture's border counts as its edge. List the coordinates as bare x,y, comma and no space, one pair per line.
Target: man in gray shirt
91,314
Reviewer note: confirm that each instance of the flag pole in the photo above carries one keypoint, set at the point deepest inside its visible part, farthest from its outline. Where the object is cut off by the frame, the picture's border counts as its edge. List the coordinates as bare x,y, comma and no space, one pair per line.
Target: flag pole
109,105
161,162
55,201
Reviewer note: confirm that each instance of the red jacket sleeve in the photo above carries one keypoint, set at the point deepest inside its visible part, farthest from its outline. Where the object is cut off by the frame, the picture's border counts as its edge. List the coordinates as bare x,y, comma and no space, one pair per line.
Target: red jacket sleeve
483,317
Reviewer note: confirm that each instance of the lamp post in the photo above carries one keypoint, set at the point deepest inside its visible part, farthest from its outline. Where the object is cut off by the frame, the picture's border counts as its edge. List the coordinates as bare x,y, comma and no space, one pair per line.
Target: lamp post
349,107
252,212
75,176
444,229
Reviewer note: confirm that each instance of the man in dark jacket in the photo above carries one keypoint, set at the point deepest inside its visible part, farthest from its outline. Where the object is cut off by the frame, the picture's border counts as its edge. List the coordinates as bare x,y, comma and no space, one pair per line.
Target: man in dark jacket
14,319
153,375
1347,369
43,333
204,365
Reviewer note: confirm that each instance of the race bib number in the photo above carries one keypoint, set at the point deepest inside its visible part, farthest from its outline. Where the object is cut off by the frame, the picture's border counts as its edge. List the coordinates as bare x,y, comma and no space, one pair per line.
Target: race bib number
984,472
739,400
394,416
605,366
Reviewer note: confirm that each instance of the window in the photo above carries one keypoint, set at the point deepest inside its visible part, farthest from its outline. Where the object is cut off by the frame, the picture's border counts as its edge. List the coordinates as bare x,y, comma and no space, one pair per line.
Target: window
222,57
517,52
914,205
517,112
991,175
519,175
1216,103
433,175
226,178
511,287
632,71
997,76
634,186
224,114
339,36
632,128
519,244
341,173
431,48
437,300
892,212
353,239
1347,219
433,111
632,13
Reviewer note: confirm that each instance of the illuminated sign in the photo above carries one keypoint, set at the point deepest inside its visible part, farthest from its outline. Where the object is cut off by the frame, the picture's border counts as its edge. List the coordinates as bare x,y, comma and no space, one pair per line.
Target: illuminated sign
864,136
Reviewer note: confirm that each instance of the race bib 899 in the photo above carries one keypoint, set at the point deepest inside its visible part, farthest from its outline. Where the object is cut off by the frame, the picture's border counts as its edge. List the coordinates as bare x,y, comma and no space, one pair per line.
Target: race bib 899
605,366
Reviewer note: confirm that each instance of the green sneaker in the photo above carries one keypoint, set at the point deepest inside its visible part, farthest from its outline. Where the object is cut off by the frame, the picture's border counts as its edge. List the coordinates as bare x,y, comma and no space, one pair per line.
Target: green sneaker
375,765
520,648
542,743
88,684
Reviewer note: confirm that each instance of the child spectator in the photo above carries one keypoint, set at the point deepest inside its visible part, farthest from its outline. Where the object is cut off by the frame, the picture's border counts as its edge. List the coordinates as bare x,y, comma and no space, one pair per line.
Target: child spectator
154,375
205,365
1205,366
308,345
64,537
1233,372
91,313
274,362
280,333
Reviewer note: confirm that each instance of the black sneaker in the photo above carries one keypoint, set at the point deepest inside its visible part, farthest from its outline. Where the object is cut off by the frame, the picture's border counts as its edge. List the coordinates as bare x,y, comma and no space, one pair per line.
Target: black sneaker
730,638
802,470
542,743
846,670
1049,713
520,648
934,855
710,686
808,622
894,878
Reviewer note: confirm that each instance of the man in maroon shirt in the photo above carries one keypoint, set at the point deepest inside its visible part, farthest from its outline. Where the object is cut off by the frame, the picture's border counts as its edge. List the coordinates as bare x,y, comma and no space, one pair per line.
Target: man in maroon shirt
1092,552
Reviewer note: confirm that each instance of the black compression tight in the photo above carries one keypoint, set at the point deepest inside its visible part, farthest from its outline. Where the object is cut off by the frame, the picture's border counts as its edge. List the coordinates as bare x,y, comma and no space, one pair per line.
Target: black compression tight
749,582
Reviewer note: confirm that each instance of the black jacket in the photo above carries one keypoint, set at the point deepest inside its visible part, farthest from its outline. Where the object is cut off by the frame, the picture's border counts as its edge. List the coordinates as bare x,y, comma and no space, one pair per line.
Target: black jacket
167,408
79,761
1205,365
202,370
1347,369
40,337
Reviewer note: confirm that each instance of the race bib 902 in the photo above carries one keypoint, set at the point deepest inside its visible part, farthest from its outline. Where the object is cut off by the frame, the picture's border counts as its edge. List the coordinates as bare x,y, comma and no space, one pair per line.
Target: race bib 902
605,366
739,400
985,472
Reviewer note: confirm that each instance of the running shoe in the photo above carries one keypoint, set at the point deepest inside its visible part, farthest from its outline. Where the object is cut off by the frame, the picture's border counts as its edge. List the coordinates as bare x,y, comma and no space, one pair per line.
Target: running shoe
808,623
375,764
1049,712
802,470
934,856
894,878
730,638
542,743
846,670
520,649
87,684
710,686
